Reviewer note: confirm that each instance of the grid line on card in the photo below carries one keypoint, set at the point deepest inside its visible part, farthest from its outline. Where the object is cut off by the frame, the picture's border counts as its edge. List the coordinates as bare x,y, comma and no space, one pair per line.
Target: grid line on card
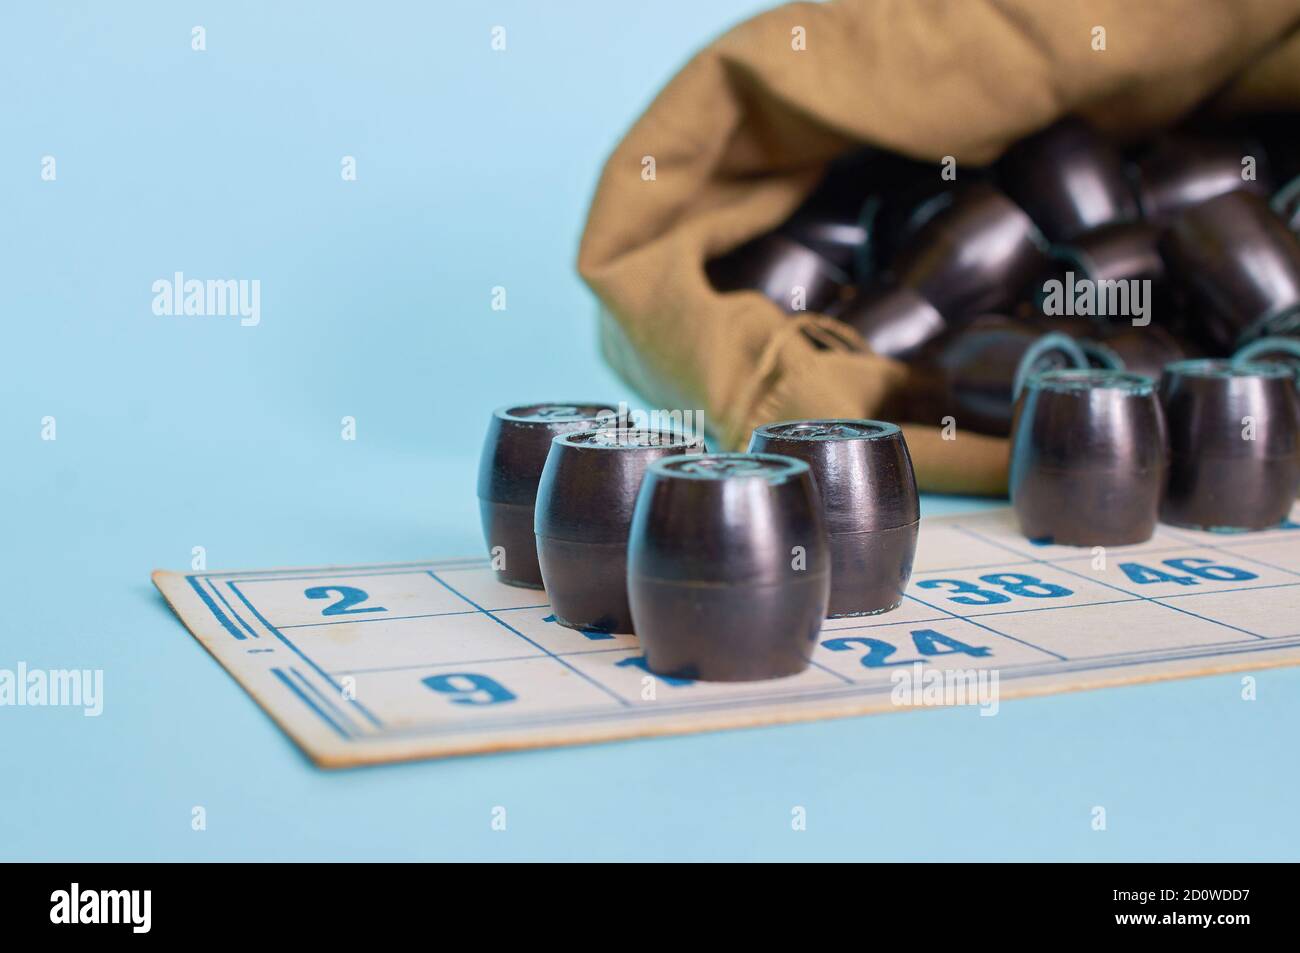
347,723
231,609
1154,600
221,617
501,622
468,662
1230,540
961,618
387,618
1216,592
1069,605
365,569
302,655
1234,551
876,625
830,671
306,700
1022,558
1008,673
327,702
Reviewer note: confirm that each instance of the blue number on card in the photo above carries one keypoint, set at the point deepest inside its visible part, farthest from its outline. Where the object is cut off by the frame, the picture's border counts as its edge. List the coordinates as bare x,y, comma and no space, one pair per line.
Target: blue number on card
878,651
1016,583
928,642
591,634
1204,568
1020,584
349,596
969,594
1207,569
1144,575
470,689
638,661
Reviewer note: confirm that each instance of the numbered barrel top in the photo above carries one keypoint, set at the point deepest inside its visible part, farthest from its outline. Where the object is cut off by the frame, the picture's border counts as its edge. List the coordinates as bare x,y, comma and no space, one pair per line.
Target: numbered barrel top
558,413
727,466
1078,381
625,438
829,430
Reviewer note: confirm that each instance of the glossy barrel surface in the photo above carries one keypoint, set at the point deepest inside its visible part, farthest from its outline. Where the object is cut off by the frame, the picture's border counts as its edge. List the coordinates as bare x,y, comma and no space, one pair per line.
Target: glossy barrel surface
863,472
1089,457
514,452
1069,179
1234,438
728,567
790,275
975,374
583,515
976,255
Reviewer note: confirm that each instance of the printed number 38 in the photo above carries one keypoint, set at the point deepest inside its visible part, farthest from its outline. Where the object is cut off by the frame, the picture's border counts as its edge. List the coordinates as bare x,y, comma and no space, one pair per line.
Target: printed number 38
1015,583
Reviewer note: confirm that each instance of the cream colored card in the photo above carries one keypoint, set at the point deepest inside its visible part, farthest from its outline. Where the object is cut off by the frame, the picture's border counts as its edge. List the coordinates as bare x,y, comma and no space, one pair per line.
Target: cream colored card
366,664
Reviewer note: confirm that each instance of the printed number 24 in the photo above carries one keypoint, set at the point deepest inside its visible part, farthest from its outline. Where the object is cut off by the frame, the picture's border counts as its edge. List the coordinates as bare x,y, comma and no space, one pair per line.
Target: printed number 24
928,643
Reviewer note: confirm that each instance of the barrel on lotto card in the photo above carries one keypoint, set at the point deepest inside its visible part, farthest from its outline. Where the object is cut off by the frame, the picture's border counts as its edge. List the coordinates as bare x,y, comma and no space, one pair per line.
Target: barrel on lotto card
584,512
1234,442
868,493
728,567
1088,458
518,440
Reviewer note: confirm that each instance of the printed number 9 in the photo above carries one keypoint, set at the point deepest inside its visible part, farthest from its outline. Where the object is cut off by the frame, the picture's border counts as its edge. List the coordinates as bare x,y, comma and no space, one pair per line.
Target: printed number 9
470,689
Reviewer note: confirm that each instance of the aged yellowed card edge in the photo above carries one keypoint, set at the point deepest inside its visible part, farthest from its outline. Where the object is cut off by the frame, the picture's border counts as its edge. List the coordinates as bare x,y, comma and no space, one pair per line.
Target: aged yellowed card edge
327,752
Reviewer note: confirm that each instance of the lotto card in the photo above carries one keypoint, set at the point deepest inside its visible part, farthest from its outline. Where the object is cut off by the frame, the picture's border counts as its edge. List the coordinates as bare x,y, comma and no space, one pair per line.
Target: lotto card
368,664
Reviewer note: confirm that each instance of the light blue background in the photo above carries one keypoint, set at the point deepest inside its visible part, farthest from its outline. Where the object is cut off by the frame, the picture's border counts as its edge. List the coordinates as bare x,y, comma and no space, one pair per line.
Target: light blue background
474,169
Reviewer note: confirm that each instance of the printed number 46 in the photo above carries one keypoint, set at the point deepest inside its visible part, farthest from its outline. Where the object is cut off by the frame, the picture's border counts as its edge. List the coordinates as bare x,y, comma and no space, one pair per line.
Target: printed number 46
1199,569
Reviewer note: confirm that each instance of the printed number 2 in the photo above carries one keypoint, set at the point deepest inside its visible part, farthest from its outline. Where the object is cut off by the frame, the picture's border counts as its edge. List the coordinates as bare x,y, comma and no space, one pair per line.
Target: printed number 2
470,689
348,597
